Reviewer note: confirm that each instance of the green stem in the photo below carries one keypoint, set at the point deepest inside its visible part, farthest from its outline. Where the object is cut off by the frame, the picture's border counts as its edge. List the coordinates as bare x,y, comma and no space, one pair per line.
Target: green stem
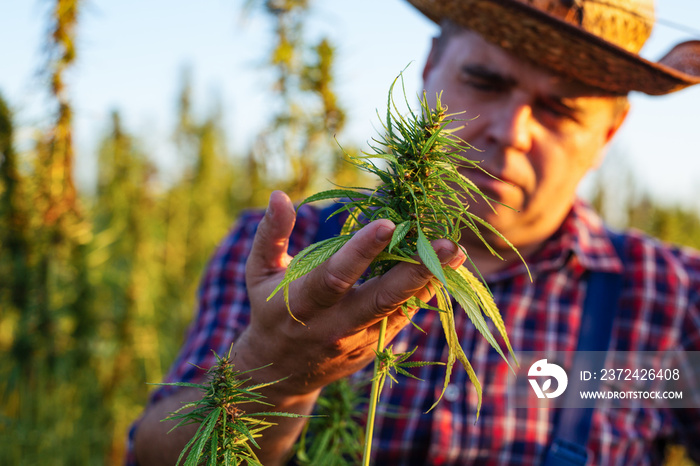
374,396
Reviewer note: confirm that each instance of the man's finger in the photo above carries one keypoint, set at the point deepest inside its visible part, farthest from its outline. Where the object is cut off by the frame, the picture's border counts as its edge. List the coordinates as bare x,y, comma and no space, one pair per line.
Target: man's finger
269,251
384,295
331,280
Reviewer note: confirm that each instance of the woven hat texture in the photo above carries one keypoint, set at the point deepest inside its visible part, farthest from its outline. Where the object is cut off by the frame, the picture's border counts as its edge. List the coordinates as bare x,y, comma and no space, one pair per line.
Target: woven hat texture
593,41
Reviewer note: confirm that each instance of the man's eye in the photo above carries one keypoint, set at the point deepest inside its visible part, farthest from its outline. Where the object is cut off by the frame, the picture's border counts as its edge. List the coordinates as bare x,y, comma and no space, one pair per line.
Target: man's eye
558,111
554,110
482,85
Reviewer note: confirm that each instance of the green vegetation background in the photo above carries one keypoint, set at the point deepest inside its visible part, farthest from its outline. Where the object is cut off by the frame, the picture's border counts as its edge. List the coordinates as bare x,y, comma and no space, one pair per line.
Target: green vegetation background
97,288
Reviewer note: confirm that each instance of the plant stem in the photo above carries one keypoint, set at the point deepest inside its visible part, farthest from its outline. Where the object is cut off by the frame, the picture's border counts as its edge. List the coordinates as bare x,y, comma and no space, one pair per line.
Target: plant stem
377,383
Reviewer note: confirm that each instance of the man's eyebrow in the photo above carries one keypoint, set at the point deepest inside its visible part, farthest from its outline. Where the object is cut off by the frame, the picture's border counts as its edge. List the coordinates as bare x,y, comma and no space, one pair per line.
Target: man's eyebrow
565,102
487,74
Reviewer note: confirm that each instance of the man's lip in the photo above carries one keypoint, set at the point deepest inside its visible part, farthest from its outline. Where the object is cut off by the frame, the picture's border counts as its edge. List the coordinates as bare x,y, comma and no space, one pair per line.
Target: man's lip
491,181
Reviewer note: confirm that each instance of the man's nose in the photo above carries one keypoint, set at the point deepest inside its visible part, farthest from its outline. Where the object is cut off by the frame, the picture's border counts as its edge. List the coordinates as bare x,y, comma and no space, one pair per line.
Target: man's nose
511,126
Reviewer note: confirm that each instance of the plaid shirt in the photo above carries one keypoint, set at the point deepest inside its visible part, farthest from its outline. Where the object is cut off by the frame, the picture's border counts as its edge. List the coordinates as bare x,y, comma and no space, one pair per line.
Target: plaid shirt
659,310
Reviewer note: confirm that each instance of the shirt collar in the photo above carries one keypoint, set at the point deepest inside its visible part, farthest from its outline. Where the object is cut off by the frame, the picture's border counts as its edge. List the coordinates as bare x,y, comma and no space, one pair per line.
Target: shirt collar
581,237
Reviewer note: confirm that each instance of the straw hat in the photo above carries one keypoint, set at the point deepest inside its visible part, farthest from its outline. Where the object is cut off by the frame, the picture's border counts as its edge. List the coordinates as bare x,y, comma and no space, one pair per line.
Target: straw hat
593,41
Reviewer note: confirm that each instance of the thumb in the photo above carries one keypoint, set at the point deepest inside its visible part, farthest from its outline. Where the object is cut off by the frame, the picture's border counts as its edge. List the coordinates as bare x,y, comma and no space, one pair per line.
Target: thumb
269,251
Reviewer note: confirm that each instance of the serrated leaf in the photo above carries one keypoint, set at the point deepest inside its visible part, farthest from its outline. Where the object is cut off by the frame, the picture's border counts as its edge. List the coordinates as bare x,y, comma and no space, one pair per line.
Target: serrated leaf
447,321
429,257
489,306
202,436
188,445
455,352
399,234
309,258
466,297
334,194
214,447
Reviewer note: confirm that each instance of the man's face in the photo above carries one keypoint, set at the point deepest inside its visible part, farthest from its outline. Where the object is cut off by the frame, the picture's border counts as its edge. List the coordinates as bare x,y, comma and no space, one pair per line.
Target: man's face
537,132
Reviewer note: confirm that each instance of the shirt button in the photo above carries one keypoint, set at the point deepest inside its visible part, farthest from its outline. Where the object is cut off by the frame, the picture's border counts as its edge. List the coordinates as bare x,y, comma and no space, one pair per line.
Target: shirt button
451,392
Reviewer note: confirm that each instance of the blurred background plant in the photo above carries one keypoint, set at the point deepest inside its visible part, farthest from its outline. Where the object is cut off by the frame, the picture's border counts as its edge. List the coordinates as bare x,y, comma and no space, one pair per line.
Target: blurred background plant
97,286
96,289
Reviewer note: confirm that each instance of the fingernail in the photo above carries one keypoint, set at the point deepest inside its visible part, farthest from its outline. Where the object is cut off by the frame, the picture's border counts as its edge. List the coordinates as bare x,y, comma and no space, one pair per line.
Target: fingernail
384,234
458,259
269,212
447,254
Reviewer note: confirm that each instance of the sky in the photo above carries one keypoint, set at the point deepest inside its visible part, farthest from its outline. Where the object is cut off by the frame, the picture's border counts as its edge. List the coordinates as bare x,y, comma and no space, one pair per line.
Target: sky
131,54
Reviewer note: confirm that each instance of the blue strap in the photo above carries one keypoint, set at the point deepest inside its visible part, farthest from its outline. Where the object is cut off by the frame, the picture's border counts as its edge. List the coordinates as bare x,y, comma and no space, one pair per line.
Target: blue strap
572,425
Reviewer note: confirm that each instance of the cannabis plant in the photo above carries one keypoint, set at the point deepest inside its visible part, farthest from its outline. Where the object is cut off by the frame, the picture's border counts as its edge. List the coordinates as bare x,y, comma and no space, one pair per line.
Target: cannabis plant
226,432
421,190
333,437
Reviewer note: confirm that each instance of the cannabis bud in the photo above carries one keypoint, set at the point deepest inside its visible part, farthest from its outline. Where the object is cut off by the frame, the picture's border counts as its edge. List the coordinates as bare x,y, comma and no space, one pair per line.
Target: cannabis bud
226,432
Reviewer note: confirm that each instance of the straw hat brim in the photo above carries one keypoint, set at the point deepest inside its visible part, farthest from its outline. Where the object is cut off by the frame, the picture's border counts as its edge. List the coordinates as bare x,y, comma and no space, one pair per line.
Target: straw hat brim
568,50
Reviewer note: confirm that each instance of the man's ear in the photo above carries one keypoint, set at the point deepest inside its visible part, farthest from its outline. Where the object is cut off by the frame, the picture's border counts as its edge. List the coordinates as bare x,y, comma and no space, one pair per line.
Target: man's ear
619,116
430,61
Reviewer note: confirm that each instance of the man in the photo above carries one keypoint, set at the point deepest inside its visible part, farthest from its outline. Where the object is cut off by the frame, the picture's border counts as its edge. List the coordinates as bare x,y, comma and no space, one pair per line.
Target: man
550,95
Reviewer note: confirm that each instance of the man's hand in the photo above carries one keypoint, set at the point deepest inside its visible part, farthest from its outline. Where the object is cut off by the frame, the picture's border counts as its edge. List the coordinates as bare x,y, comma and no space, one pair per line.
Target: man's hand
341,319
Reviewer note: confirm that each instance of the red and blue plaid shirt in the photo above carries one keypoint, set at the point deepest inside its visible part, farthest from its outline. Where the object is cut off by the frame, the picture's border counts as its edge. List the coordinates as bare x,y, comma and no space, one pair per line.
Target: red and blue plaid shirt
659,311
